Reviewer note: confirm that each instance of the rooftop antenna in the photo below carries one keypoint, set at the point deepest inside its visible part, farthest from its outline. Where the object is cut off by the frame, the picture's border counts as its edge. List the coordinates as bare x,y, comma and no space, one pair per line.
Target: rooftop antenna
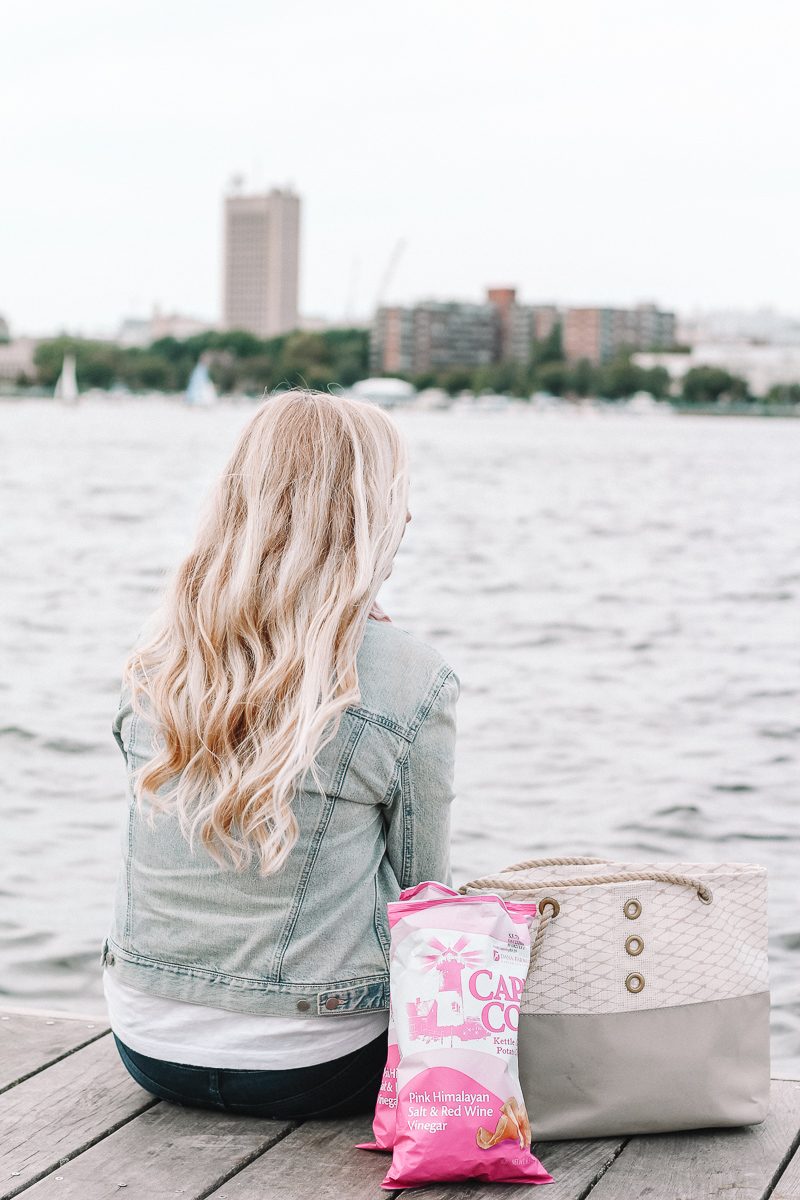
391,267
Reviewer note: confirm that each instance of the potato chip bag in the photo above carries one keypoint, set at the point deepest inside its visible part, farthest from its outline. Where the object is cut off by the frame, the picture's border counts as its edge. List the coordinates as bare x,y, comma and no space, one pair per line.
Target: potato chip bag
458,967
384,1120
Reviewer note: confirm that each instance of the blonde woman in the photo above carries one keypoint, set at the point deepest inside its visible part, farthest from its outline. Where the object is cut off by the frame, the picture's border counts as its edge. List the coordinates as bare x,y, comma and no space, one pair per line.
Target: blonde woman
290,770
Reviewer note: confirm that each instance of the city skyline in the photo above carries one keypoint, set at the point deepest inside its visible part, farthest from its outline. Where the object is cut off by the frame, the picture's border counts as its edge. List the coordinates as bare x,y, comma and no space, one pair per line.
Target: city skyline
590,155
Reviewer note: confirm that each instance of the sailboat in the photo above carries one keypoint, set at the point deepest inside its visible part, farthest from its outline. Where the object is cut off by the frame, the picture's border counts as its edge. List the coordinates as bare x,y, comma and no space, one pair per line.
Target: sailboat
201,390
67,387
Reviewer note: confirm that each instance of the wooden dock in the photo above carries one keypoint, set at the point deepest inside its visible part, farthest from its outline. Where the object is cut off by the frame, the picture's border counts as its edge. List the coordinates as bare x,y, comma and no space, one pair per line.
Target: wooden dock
74,1126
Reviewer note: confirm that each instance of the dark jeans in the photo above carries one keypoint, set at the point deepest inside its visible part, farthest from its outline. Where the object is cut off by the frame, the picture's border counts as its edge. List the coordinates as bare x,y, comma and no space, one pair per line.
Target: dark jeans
340,1088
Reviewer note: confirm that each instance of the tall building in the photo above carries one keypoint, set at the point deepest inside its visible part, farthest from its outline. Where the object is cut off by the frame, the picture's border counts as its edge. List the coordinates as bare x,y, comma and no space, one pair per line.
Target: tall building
599,333
262,251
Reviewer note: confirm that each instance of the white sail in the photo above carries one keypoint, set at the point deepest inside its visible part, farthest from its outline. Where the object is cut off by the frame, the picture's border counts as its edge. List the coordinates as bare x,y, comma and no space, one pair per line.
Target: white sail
201,390
67,386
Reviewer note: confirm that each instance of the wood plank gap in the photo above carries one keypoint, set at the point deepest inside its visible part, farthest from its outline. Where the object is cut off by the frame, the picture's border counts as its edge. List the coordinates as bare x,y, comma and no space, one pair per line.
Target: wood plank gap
8,1195
613,1156
790,1153
51,1062
229,1175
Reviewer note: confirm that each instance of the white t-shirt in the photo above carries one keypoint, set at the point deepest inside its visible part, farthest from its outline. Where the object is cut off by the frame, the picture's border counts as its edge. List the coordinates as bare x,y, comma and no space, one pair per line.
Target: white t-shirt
198,1036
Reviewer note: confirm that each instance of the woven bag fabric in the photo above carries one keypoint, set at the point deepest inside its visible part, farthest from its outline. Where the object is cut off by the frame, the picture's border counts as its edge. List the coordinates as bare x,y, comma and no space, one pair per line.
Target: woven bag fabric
690,952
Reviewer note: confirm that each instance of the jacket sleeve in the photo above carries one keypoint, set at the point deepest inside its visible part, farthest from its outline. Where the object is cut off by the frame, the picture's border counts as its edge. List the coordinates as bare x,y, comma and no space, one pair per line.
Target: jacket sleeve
418,815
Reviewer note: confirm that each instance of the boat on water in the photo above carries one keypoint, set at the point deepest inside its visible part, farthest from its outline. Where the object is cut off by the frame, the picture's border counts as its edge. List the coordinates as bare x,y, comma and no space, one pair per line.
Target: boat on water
66,389
201,391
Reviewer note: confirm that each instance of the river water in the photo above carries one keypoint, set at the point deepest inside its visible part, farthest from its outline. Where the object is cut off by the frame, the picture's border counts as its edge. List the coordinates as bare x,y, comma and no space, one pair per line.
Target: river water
618,594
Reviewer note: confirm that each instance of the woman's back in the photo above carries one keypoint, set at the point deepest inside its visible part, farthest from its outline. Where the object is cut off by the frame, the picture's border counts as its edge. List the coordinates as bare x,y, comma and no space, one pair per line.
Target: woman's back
312,939
290,770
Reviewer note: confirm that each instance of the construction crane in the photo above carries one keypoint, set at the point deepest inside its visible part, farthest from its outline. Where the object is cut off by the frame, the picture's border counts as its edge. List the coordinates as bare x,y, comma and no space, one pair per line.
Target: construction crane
391,267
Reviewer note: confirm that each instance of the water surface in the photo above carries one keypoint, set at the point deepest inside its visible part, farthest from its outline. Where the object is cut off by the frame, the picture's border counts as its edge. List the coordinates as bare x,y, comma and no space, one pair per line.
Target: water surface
618,595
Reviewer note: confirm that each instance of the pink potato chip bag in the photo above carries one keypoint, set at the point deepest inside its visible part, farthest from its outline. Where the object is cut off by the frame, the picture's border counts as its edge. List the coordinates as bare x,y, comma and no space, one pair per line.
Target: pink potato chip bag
385,1109
458,967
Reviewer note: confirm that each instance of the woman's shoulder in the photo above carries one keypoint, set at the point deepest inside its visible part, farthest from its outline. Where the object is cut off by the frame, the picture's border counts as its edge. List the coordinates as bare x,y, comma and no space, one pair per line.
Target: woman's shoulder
399,676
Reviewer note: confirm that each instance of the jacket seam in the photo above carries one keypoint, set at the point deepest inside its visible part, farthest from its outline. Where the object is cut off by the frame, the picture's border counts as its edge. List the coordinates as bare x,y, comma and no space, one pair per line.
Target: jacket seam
313,854
160,964
128,931
376,919
406,791
372,718
423,712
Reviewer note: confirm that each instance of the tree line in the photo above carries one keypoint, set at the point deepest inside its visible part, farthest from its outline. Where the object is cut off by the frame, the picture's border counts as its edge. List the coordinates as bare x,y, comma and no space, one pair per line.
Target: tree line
240,362
237,361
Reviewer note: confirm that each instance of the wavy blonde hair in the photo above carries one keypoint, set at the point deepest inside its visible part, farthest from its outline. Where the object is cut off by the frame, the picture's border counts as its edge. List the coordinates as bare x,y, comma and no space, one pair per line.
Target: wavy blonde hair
255,658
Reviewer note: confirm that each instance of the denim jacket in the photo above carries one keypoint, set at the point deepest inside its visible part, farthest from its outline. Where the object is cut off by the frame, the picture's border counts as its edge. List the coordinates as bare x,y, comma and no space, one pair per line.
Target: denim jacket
312,940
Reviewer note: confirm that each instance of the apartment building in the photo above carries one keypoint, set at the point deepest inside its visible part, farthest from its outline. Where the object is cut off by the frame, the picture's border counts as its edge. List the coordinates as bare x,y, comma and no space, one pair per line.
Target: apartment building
600,333
520,324
262,252
434,335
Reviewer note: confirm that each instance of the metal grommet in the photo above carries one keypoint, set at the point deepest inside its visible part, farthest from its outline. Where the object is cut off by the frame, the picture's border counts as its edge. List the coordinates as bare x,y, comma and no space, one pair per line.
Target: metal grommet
556,907
634,945
632,909
635,982
705,895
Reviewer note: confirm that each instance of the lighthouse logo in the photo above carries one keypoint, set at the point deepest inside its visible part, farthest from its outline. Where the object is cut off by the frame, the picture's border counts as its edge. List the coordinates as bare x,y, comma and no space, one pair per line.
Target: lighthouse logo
442,1016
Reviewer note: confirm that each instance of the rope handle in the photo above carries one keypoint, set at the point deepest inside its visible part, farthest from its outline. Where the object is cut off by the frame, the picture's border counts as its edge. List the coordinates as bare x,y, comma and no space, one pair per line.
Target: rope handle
704,892
548,909
551,862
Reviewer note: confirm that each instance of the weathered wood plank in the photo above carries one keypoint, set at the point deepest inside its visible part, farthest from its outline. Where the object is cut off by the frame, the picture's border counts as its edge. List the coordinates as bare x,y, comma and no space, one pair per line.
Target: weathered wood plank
164,1152
31,1041
574,1166
741,1164
788,1186
56,1114
316,1162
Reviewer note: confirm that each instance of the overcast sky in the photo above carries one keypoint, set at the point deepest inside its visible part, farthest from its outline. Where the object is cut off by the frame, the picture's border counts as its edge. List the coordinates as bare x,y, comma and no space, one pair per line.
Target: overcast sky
584,150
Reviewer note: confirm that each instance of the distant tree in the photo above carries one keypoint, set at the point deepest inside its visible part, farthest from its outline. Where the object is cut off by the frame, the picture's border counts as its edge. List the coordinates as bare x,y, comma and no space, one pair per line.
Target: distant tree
548,349
784,393
238,342
504,378
257,373
96,363
705,385
552,377
582,379
171,349
656,382
157,373
307,361
350,349
621,378
426,379
456,379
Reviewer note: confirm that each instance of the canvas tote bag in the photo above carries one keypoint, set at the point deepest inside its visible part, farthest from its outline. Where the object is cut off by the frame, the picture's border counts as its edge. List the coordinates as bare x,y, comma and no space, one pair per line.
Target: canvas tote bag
646,1007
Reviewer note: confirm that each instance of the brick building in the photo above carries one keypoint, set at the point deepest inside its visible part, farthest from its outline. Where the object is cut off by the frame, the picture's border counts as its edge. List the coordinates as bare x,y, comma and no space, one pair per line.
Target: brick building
600,333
